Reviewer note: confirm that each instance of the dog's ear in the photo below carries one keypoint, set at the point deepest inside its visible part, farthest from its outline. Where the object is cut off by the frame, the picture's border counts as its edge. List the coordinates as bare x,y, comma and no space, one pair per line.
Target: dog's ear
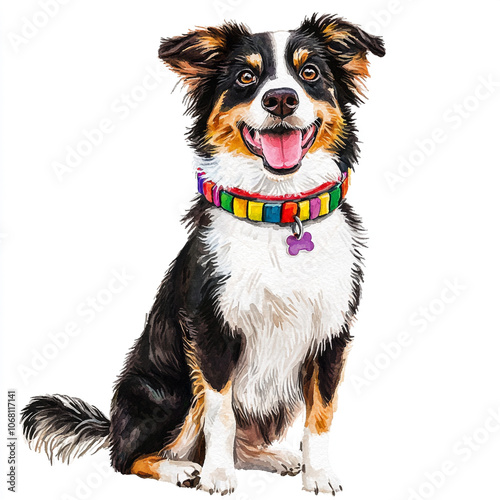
199,53
349,46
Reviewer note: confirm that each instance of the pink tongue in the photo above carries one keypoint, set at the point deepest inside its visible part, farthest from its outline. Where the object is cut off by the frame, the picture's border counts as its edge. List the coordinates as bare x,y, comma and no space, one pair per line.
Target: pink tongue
282,150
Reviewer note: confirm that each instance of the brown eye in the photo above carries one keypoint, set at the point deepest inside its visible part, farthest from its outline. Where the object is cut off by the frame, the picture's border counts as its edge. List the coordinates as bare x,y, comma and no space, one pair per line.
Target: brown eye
309,73
246,78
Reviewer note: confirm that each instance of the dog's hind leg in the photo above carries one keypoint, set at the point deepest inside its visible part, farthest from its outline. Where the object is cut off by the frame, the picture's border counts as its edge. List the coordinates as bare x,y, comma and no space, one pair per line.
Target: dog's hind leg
147,413
252,453
269,459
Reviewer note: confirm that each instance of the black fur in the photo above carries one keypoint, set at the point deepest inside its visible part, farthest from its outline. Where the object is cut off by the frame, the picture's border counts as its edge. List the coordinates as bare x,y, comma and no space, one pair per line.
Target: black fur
358,230
330,364
153,393
235,94
65,428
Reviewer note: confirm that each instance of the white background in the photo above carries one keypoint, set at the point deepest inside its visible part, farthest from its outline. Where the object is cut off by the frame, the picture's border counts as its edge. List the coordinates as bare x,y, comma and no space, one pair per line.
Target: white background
401,417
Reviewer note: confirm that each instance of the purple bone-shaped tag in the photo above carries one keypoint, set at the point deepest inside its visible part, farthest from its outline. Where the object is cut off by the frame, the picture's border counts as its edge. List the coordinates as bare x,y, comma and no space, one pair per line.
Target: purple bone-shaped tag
295,245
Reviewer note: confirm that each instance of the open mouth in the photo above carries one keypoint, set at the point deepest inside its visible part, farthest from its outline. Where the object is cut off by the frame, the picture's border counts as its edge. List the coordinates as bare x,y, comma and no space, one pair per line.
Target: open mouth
281,149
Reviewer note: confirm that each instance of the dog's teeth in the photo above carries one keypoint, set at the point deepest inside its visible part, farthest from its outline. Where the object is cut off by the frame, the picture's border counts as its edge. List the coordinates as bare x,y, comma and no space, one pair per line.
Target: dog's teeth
256,136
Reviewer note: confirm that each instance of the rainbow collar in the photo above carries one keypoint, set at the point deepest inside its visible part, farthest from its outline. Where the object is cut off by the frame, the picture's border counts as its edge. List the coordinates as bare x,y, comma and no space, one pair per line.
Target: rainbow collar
307,206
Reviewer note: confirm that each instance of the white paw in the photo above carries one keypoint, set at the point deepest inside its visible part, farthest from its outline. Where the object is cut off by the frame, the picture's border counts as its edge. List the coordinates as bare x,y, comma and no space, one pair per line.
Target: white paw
288,462
320,481
285,462
221,480
183,474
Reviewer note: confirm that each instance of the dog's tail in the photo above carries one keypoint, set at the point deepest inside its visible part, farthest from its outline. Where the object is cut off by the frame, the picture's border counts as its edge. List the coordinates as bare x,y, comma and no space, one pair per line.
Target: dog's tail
65,428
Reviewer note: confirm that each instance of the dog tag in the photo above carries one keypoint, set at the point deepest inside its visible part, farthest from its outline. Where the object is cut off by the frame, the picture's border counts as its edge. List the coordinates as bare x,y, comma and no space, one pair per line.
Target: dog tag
295,244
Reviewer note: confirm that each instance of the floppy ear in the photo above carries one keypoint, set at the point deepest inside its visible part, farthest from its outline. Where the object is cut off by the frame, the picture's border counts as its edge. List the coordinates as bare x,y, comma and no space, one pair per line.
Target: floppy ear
348,39
349,45
197,54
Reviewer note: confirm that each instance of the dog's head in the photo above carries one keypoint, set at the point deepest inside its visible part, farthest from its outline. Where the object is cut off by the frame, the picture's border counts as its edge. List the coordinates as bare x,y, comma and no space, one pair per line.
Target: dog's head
273,110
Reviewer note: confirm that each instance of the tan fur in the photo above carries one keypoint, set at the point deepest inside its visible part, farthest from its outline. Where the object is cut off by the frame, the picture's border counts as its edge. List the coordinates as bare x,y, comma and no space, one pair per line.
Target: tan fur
300,57
254,61
358,67
318,415
331,134
333,34
147,466
212,39
186,446
209,42
222,128
193,423
187,71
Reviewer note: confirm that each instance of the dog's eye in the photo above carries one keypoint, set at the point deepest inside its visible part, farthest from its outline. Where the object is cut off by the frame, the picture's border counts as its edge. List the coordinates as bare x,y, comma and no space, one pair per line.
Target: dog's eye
246,78
309,73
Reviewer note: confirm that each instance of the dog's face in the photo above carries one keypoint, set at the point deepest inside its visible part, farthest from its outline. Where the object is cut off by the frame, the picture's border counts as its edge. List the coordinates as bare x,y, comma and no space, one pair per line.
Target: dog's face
272,110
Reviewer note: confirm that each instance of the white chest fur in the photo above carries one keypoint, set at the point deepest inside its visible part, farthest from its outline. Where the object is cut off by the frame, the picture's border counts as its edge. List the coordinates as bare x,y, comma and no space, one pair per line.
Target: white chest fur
284,306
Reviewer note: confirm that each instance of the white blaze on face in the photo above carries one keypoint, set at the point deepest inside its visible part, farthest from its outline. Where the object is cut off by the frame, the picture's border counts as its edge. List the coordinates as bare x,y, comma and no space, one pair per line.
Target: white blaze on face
304,113
248,173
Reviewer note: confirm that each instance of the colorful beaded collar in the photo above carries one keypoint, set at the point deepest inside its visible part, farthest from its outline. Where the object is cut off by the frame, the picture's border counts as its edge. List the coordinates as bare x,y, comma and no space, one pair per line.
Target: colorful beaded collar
260,208
279,210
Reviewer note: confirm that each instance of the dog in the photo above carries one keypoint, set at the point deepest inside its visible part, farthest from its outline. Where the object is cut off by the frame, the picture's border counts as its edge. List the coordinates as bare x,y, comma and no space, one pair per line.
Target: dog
251,324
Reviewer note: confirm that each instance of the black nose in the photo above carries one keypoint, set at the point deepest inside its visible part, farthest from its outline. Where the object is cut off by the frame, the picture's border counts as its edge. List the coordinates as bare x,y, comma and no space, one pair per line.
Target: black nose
280,102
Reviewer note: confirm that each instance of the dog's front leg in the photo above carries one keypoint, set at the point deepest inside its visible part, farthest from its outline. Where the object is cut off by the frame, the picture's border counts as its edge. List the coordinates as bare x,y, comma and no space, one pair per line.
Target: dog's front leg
218,474
320,392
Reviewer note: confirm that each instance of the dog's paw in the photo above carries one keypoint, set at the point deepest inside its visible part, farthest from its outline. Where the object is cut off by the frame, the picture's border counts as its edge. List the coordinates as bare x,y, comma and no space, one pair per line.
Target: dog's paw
221,481
320,481
288,462
281,461
183,474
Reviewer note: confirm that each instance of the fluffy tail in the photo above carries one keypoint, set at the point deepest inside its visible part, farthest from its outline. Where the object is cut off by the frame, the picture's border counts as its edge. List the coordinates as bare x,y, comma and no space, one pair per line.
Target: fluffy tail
64,427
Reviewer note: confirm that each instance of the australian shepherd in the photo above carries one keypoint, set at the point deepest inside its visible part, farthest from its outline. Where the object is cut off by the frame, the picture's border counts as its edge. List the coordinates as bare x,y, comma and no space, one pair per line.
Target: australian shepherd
250,327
